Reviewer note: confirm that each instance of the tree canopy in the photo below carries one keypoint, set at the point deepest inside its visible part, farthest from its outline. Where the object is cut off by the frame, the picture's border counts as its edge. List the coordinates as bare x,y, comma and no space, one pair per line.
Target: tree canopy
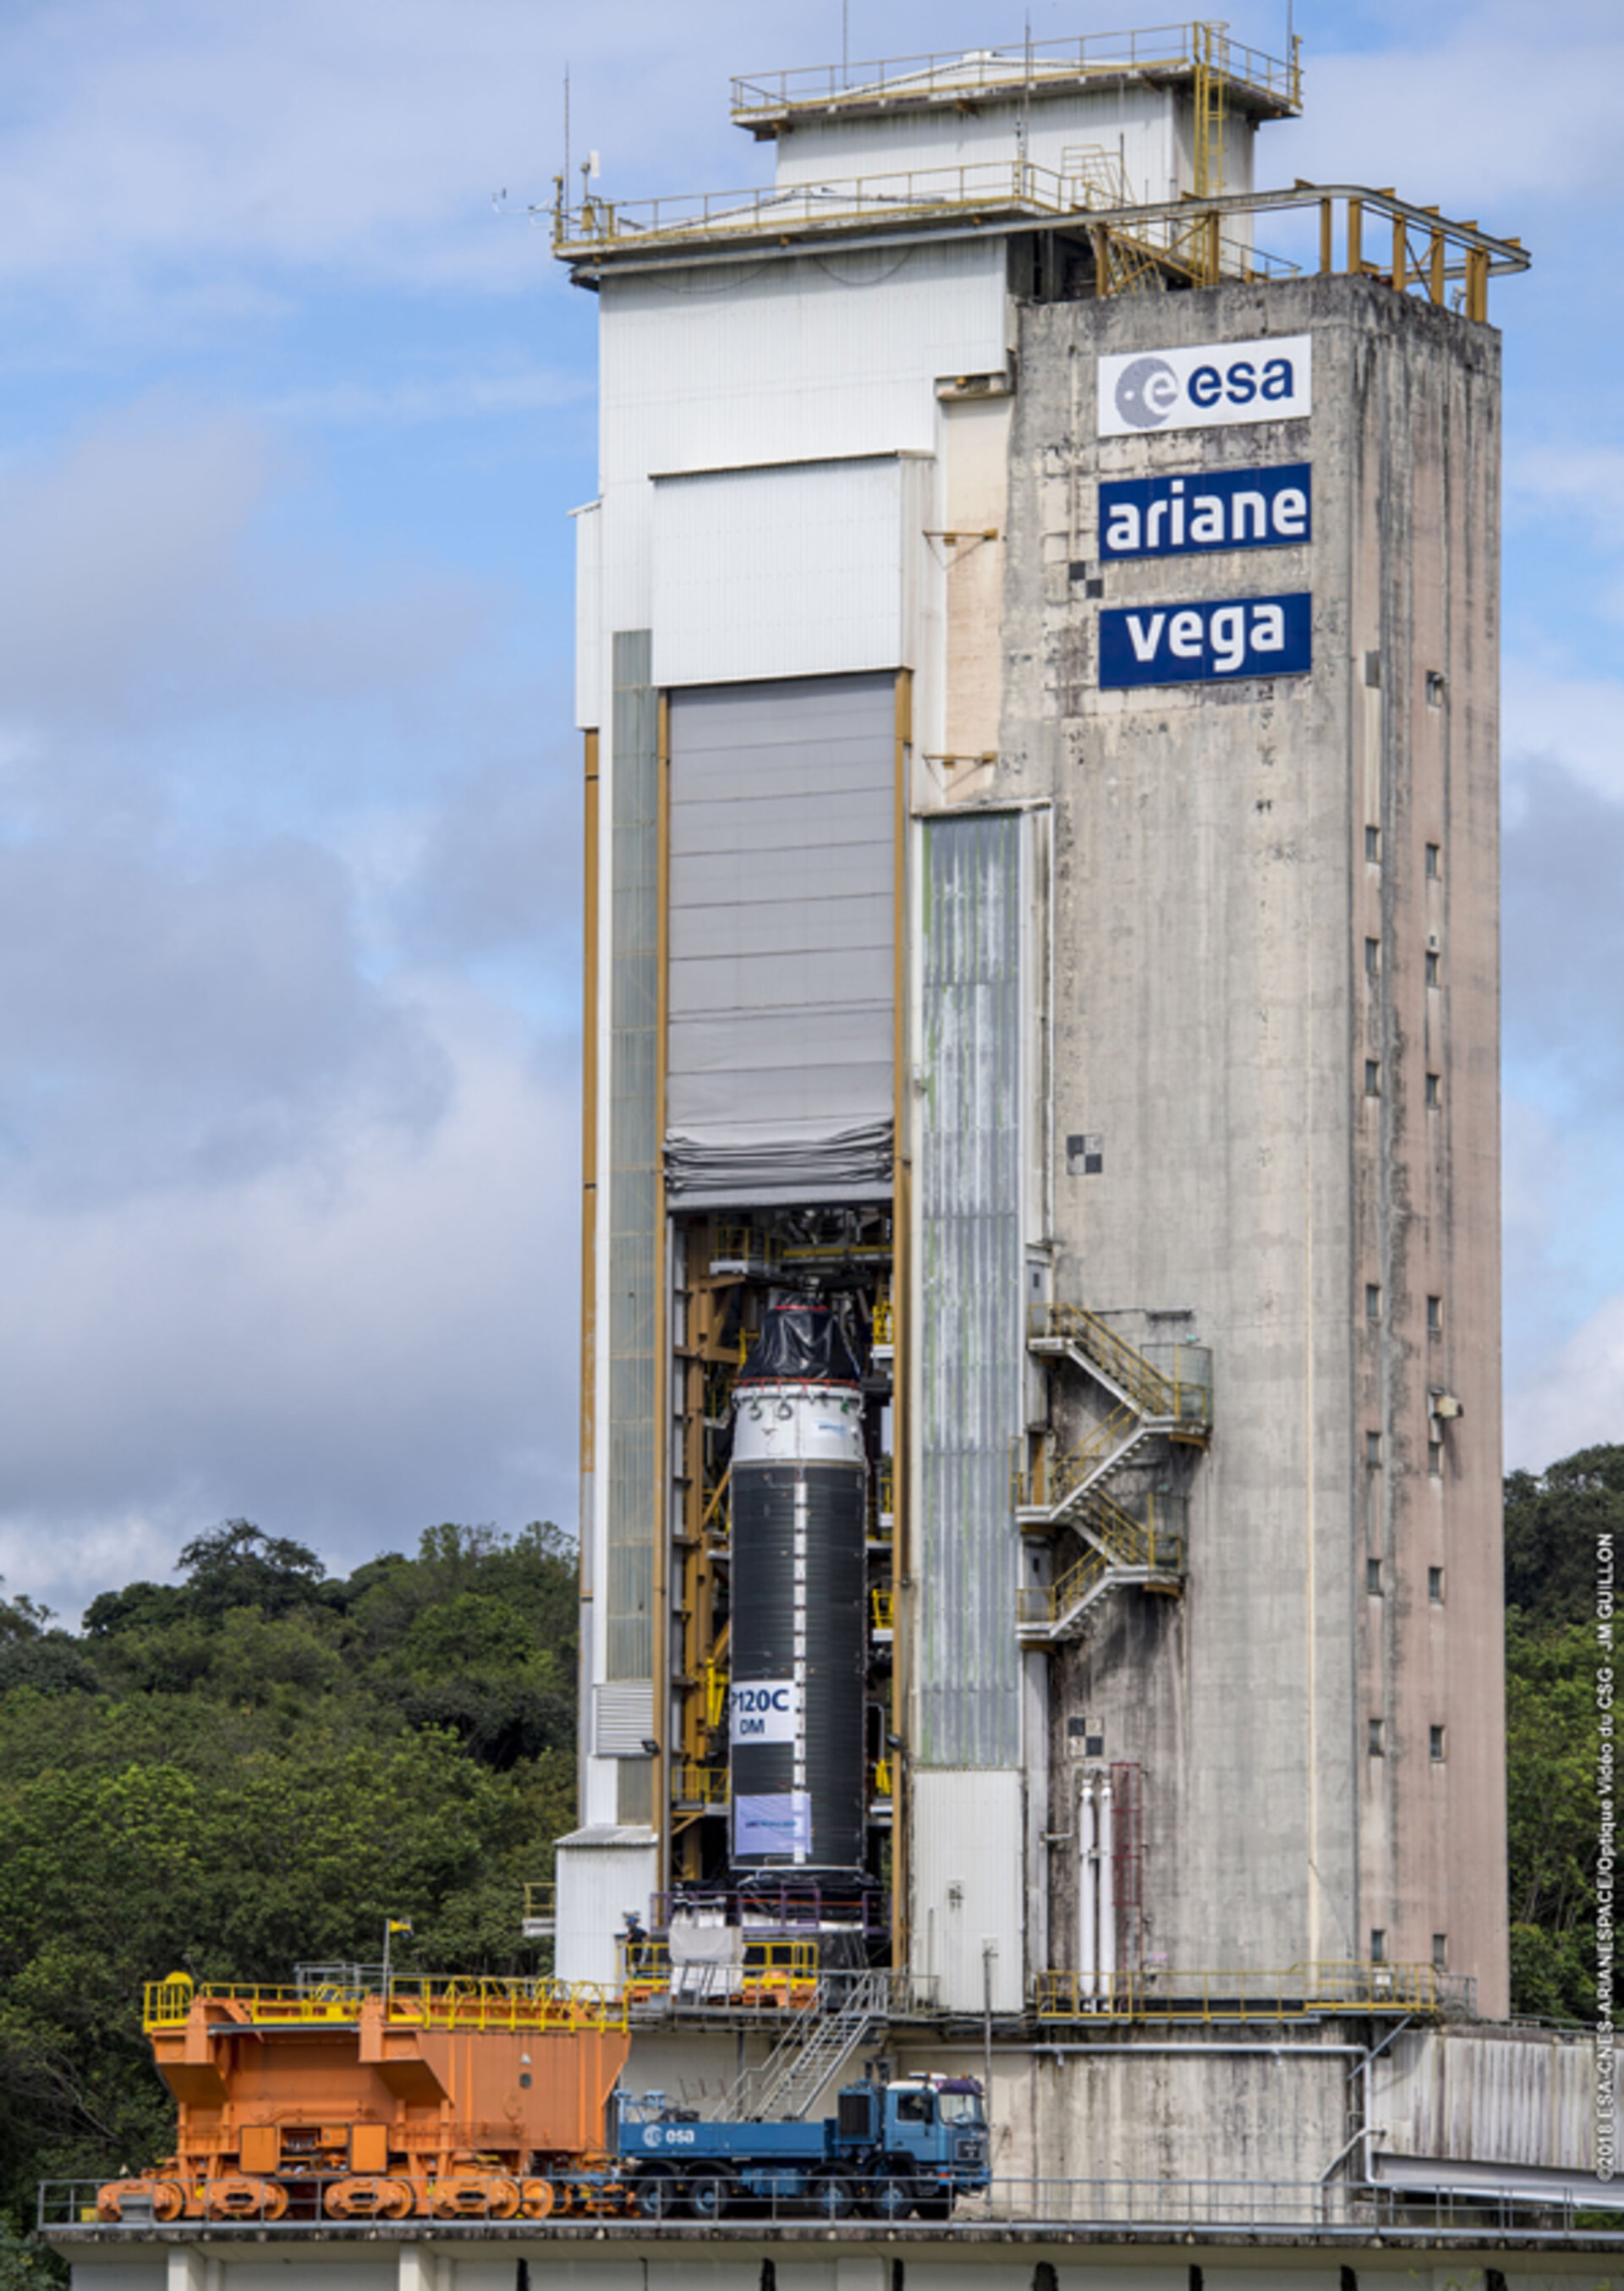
252,1767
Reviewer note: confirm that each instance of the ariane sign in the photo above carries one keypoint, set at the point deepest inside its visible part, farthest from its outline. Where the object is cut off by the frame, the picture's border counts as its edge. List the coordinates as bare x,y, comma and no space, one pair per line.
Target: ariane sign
1206,509
1212,385
1206,641
763,1712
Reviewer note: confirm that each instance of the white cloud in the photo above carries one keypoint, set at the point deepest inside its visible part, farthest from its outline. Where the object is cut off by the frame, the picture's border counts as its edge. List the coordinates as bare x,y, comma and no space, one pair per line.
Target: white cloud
1574,1399
1550,716
345,1352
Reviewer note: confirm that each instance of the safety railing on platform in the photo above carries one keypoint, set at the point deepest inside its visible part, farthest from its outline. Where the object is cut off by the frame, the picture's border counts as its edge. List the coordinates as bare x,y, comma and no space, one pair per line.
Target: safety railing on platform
1142,1551
415,2001
882,1610
1178,1393
699,1785
542,1903
1342,2210
979,191
784,1904
1300,1992
1168,48
780,1975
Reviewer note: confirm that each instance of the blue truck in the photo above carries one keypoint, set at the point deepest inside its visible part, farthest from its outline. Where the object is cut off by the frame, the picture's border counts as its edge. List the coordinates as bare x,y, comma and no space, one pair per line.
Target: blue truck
889,2151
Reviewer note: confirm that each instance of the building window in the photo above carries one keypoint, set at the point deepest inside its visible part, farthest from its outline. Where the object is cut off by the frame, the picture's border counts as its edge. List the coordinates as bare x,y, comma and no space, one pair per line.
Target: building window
1436,1741
1372,1578
1434,973
1372,1447
1372,959
1372,1078
1435,862
1440,1951
1434,1459
1435,1316
1437,685
1435,1586
1379,1944
1372,1301
1372,843
1373,1738
1435,1091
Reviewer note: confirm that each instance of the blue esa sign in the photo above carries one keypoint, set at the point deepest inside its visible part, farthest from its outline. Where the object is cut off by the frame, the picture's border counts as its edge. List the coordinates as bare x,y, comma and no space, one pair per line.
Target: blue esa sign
1200,642
1213,509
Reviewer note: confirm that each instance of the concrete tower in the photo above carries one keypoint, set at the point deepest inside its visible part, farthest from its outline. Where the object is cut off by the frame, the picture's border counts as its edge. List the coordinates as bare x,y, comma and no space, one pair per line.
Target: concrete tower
1038,666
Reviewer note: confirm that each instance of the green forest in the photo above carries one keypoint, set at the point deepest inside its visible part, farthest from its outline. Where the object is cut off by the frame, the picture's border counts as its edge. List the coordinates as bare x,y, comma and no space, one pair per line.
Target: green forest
259,1763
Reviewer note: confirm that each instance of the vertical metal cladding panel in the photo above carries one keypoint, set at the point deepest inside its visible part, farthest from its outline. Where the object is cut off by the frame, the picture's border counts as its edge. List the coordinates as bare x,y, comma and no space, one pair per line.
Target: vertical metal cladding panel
634,1161
780,1042
970,1336
786,571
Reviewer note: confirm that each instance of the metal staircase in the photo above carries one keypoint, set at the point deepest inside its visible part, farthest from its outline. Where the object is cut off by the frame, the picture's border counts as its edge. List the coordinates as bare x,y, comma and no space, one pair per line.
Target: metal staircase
1152,1402
811,2052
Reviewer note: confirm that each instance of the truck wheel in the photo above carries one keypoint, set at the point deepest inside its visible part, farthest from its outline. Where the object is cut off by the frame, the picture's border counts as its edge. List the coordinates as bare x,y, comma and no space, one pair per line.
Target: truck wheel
713,2197
890,2200
655,2192
834,2195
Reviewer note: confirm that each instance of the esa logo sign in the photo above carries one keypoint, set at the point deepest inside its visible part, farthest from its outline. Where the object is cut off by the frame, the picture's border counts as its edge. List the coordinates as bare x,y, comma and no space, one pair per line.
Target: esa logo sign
763,1712
1202,642
1205,388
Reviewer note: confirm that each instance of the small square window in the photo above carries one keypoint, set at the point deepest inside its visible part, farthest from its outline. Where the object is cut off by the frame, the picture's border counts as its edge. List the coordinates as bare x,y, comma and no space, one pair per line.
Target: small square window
1372,958
1379,1944
1372,1578
1433,967
1372,1447
1434,1459
1372,1078
1435,1586
1440,1951
1436,1743
1372,1739
1435,1091
1437,685
1435,862
1372,1301
1435,1316
1372,843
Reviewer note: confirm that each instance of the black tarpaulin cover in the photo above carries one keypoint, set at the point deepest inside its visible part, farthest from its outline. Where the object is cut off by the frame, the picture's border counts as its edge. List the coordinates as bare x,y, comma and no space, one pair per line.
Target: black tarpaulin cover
801,1342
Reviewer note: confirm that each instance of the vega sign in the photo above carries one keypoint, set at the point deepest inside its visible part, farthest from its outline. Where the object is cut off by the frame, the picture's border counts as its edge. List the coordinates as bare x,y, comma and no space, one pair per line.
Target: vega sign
1208,386
1206,641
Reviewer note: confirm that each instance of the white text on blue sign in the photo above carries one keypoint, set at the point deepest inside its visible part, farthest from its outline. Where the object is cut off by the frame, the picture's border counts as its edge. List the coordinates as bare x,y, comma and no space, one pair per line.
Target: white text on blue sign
1208,510
1206,640
1208,385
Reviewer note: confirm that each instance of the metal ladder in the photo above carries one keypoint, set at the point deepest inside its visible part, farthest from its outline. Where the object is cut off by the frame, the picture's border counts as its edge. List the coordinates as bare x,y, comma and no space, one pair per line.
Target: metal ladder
809,2053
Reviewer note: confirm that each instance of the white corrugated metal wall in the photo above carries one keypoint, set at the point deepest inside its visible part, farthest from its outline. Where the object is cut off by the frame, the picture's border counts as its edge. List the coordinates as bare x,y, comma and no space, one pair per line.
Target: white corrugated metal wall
793,571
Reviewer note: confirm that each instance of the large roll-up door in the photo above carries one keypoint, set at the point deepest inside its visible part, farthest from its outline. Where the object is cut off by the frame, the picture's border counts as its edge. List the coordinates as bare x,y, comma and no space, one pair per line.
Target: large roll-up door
780,1051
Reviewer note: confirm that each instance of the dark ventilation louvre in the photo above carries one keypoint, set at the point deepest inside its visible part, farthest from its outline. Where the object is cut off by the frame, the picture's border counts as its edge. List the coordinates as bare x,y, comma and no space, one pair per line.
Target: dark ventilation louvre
852,2118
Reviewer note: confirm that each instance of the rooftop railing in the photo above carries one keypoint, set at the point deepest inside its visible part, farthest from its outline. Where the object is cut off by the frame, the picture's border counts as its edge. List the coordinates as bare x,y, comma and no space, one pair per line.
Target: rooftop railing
760,98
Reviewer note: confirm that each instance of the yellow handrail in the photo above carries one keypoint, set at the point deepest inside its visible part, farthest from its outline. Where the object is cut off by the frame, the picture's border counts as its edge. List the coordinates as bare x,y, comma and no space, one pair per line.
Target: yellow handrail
438,2001
882,1609
1299,1992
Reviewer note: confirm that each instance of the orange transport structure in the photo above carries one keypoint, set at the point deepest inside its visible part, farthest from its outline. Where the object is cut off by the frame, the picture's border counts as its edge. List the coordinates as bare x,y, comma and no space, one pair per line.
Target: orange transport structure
440,2099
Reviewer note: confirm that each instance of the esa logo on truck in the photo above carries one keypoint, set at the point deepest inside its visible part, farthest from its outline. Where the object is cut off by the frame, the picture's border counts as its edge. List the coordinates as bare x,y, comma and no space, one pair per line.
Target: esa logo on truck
763,1712
1206,641
1206,509
1214,384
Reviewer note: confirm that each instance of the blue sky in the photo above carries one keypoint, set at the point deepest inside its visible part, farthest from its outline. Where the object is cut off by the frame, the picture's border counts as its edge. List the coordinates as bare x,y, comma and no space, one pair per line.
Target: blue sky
291,416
